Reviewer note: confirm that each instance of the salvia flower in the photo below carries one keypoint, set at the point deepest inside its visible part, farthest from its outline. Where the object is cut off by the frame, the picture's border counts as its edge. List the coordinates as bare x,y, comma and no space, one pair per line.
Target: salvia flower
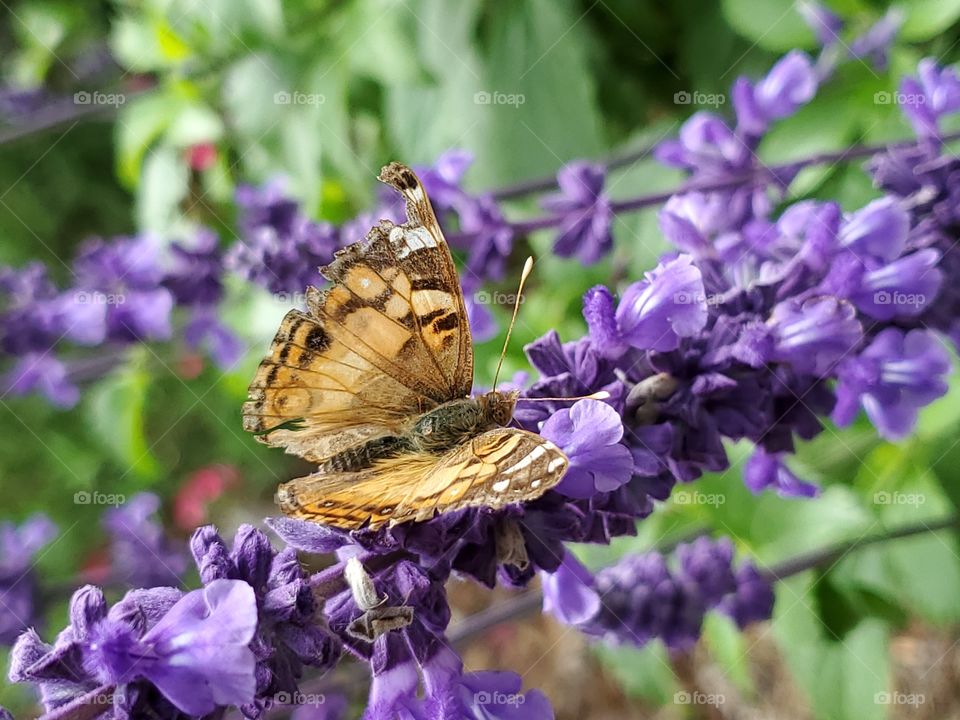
874,45
896,375
935,92
825,23
19,546
791,83
768,470
587,215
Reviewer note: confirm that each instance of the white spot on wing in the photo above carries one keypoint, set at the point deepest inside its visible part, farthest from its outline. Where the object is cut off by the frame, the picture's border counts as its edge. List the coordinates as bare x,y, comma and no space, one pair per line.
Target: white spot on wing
500,485
555,464
526,460
411,239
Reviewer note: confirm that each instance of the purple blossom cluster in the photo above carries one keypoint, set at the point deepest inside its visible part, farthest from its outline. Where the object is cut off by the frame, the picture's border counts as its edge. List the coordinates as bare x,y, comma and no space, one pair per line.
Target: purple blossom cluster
642,597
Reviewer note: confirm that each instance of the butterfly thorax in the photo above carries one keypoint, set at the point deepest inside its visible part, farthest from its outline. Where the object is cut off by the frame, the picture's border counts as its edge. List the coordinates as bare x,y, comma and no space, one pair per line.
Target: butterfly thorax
434,432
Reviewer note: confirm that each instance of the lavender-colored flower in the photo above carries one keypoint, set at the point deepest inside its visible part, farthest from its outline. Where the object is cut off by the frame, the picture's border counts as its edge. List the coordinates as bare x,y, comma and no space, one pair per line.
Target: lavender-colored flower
586,211
281,249
125,276
141,554
568,592
498,696
589,433
653,314
443,180
289,635
826,24
791,83
488,236
19,546
707,146
753,599
874,45
878,230
483,326
206,330
197,654
768,470
643,599
896,375
813,336
41,372
934,93
195,270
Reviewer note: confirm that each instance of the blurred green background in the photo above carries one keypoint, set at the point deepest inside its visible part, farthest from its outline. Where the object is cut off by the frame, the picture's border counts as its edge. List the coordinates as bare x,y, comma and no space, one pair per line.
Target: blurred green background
398,80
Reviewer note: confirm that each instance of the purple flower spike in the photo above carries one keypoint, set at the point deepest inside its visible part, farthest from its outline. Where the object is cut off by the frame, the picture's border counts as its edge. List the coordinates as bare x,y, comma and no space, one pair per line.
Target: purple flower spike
18,584
708,146
141,554
197,654
498,696
753,600
653,314
587,215
589,433
792,82
568,592
813,336
904,288
935,92
767,470
892,379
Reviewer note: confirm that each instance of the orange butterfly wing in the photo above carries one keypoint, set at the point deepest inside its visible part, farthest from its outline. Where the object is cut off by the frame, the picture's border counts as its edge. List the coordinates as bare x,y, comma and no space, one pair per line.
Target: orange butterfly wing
497,468
387,341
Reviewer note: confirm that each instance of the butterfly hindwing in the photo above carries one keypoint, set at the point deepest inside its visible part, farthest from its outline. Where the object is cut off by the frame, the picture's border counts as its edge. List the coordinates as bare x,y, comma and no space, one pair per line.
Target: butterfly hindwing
494,469
388,340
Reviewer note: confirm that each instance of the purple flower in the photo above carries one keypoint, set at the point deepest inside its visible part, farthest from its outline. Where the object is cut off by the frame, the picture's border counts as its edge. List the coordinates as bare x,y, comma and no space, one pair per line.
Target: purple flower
443,180
197,654
934,93
813,336
878,230
753,599
585,208
568,592
768,470
707,146
288,636
896,375
281,249
792,82
874,44
18,583
206,330
589,433
44,373
653,314
483,326
195,270
488,236
125,276
709,565
498,696
140,552
826,24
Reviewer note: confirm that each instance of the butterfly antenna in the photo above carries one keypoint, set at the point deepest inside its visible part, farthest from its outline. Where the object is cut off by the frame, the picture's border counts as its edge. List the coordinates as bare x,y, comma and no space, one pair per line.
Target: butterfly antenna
599,395
527,267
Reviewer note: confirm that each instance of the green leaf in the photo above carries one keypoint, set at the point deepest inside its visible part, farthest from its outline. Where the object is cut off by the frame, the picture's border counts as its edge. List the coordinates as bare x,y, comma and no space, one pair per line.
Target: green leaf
927,18
194,123
141,122
772,24
729,649
164,186
115,409
642,672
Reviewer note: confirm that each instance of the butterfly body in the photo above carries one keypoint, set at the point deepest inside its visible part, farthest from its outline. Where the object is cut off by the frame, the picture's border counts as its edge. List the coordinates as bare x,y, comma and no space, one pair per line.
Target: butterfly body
373,381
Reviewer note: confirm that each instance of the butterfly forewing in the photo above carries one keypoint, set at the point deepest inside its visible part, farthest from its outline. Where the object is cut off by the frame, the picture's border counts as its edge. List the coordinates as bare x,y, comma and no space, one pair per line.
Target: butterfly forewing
497,468
388,340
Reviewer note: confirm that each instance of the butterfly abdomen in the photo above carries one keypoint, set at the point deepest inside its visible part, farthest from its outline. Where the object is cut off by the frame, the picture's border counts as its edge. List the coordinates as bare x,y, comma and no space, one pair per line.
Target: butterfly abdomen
365,455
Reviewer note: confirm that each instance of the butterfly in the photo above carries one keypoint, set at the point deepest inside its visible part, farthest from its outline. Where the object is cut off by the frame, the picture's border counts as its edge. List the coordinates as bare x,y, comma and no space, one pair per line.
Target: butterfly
372,383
